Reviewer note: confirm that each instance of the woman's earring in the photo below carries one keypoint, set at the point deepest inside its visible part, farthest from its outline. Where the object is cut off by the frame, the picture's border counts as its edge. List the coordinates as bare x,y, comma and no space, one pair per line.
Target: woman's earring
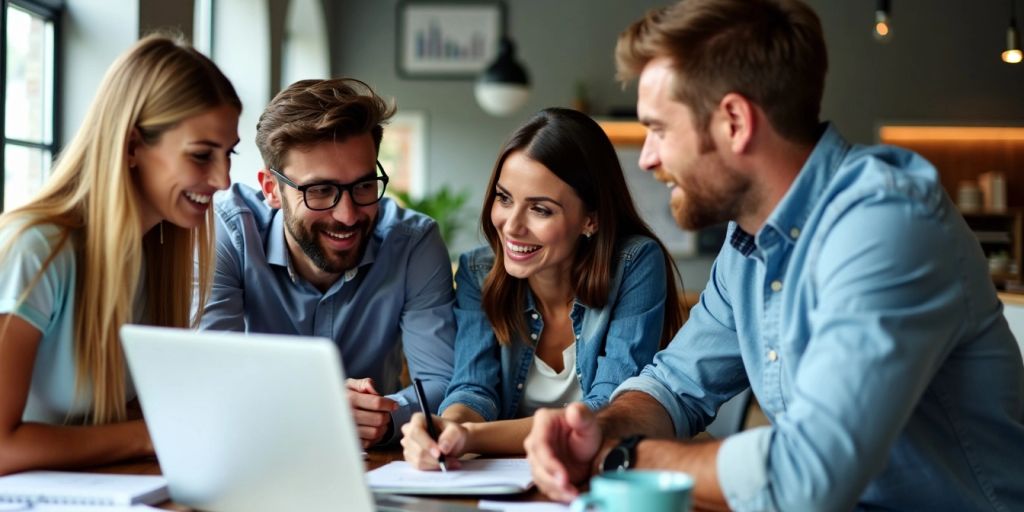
588,234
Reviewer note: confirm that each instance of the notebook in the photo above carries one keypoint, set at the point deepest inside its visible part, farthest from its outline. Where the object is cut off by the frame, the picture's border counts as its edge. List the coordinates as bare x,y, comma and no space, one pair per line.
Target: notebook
475,477
69,488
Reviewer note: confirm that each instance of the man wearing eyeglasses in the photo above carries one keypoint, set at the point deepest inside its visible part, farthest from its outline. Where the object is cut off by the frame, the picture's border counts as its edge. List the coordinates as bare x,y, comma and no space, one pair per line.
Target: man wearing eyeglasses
319,251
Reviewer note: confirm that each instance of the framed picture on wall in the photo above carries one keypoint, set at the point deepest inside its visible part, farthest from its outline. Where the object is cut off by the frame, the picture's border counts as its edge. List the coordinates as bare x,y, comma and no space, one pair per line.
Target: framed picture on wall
447,39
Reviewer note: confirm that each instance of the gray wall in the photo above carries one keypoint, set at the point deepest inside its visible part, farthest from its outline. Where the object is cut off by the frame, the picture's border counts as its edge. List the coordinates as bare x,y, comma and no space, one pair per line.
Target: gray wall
559,42
942,65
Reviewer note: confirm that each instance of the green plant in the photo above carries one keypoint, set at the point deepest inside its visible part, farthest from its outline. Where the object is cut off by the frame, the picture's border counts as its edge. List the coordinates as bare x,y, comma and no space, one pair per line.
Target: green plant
443,206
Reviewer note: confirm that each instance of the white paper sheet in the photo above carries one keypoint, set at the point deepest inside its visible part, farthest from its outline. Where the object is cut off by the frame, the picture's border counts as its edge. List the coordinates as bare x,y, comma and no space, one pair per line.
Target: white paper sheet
479,476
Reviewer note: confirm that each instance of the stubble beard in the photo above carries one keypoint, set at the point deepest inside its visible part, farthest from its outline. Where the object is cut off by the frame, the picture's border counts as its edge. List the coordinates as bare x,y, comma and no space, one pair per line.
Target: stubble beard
704,204
328,261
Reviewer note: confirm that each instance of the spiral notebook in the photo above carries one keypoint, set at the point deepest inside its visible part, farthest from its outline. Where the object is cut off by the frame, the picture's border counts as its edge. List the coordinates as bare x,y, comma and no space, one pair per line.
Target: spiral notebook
69,488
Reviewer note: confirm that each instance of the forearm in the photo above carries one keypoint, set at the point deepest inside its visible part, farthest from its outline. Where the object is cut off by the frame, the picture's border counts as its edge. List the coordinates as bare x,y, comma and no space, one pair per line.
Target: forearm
503,437
696,458
461,414
635,413
36,445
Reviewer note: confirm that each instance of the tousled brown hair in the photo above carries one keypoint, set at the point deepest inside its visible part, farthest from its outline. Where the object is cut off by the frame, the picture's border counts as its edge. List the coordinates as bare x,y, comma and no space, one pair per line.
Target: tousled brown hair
309,112
576,149
770,51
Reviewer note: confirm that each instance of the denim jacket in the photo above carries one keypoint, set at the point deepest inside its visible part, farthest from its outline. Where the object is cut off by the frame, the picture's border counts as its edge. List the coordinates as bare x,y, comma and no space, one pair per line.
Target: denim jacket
613,343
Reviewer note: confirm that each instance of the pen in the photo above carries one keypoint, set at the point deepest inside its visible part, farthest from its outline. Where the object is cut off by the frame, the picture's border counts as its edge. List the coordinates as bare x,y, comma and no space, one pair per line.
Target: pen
422,396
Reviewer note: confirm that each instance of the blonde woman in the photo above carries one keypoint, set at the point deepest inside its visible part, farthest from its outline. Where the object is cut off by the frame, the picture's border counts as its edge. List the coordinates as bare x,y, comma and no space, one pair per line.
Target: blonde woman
109,240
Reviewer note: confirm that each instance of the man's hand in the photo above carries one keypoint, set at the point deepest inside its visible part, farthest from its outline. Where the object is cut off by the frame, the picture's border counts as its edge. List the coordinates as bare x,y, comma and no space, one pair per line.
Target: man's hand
372,412
561,448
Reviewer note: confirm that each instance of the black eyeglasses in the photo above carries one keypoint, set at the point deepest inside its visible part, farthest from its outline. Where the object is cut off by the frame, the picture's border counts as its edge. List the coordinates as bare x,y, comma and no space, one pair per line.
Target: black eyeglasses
324,195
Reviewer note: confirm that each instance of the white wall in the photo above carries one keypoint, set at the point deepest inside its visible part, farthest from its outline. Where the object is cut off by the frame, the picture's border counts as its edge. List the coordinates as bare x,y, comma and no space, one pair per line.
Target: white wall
242,51
95,33
1015,316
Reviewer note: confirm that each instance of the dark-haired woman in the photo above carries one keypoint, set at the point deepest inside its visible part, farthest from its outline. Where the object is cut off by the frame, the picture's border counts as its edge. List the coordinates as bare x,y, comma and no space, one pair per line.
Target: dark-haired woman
573,294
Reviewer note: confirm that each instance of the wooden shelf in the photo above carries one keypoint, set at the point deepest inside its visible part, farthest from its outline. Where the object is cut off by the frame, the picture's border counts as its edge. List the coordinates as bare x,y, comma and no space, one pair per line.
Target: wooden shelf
624,133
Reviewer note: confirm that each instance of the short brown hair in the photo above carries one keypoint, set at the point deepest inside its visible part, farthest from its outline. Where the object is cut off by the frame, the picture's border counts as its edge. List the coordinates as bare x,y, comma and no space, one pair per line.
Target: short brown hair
312,111
770,51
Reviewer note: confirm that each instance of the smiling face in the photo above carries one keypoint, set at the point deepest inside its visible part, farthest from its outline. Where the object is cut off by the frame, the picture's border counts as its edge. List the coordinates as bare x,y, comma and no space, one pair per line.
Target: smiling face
539,219
177,175
705,191
324,244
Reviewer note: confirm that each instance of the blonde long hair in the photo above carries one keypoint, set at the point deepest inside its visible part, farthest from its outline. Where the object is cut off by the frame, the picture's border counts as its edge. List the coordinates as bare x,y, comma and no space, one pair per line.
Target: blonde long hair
92,199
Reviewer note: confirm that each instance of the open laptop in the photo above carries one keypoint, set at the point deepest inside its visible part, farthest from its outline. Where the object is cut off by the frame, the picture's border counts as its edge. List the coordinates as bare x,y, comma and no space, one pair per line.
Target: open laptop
246,422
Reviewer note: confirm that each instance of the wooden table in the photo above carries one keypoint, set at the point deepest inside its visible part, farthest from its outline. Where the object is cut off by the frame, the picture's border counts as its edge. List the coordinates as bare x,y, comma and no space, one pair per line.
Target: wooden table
376,459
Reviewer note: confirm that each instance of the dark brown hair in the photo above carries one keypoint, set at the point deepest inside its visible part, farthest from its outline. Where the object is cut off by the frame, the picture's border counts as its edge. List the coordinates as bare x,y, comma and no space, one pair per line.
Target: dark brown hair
312,111
770,51
574,148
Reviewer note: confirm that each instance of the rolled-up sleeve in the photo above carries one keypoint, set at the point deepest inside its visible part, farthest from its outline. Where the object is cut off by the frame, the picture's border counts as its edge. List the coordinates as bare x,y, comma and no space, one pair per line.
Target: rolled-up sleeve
701,368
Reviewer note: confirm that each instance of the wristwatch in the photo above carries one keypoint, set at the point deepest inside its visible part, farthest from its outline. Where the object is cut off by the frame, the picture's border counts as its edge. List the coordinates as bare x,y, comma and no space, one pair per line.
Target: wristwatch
623,456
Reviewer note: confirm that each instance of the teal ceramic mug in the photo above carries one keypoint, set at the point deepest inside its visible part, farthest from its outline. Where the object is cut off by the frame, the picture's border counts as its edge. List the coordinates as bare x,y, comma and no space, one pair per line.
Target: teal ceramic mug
647,491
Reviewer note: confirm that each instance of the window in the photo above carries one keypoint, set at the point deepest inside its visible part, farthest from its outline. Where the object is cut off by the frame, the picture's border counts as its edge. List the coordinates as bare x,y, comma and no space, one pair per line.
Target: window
29,55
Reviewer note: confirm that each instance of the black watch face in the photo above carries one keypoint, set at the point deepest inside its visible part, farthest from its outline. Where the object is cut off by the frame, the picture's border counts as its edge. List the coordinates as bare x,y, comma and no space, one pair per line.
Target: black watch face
616,459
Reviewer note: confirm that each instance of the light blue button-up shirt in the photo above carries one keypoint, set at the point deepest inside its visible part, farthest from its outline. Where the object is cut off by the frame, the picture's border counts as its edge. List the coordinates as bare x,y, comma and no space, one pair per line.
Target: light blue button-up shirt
863,317
399,297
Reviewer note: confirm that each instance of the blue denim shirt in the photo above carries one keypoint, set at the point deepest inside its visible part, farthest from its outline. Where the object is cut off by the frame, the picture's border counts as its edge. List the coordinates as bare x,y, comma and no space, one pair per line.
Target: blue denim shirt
612,343
863,316
398,298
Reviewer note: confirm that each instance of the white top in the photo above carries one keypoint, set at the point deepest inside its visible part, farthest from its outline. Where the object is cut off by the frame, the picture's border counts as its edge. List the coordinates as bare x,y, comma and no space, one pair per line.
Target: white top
547,388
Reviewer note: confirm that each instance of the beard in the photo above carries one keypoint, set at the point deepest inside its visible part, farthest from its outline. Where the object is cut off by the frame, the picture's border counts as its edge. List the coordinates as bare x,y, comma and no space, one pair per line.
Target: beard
711,194
308,239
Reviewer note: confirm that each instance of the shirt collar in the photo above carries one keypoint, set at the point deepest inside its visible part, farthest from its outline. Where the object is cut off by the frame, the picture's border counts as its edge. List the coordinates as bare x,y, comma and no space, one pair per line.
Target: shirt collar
789,216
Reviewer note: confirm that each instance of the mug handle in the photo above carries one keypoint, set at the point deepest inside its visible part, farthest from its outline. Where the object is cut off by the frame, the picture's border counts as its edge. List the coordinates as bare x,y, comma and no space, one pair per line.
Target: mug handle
585,502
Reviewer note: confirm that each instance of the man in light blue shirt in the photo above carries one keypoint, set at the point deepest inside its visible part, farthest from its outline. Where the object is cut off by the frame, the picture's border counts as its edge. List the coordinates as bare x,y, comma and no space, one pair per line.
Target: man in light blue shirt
320,252
850,296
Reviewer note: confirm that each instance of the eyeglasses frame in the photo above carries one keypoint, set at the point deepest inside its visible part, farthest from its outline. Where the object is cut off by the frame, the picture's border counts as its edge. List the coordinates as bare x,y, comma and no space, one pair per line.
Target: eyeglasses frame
342,188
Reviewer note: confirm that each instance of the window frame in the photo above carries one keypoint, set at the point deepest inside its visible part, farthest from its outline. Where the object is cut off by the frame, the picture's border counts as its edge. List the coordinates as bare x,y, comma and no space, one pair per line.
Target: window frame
50,11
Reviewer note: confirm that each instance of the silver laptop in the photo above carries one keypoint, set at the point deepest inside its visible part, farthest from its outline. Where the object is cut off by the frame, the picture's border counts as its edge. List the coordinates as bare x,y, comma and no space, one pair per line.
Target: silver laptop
245,422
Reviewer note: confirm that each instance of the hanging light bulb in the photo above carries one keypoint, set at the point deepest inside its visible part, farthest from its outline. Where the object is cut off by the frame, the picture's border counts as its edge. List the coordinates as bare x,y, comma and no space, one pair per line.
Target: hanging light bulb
1012,54
883,27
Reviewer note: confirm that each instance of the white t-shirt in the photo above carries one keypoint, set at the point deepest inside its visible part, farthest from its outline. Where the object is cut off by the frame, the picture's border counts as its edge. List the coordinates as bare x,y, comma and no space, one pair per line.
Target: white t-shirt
547,388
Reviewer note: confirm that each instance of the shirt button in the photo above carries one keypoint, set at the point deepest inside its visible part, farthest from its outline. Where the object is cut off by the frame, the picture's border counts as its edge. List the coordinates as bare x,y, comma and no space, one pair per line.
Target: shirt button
520,386
534,316
577,336
776,286
794,233
533,336
773,355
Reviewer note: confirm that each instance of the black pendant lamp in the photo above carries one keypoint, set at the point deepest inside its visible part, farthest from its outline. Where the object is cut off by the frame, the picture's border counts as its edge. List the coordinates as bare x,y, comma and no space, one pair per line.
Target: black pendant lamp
504,86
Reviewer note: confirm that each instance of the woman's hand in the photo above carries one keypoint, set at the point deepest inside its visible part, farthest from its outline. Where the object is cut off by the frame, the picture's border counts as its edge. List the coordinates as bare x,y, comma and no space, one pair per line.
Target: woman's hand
422,452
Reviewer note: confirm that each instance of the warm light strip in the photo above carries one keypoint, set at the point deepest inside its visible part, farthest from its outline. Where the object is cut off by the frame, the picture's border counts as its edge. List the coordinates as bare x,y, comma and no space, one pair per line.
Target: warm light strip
624,132
950,133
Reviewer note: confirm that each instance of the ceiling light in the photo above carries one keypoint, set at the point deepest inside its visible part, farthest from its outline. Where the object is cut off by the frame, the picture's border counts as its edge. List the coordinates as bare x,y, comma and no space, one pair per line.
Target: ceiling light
883,21
1012,54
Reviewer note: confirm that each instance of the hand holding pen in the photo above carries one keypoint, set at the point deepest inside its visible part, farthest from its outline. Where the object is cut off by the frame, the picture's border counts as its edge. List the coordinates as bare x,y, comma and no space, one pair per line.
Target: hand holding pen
425,409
